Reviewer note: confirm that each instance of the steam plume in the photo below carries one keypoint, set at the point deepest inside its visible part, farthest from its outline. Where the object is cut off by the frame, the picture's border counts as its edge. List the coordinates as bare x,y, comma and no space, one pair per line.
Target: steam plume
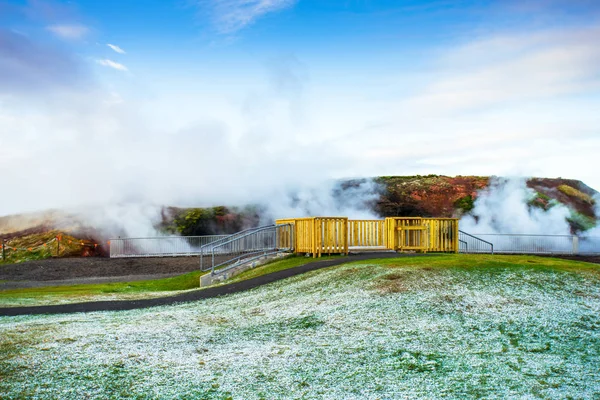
503,207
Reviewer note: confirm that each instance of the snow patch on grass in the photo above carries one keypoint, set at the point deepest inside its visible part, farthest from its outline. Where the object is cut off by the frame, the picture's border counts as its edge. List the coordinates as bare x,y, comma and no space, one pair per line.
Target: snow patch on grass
357,331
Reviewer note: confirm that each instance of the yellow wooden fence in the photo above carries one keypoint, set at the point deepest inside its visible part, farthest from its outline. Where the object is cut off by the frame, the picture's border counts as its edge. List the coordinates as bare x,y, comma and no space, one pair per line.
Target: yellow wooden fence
319,235
335,235
422,234
366,233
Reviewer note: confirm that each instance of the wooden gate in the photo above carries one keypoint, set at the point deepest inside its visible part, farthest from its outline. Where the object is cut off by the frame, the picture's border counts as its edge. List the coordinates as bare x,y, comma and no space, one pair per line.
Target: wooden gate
422,234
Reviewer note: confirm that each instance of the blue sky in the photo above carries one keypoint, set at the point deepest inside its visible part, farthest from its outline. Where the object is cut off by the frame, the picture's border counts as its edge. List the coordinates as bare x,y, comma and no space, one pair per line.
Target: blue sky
216,101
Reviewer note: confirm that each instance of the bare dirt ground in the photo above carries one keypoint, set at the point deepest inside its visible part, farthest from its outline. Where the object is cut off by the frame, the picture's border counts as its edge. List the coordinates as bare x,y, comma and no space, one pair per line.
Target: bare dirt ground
84,270
590,259
57,269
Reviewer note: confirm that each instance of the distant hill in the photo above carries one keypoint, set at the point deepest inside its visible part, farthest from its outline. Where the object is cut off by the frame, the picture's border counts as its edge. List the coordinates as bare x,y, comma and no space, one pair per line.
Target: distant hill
445,196
428,196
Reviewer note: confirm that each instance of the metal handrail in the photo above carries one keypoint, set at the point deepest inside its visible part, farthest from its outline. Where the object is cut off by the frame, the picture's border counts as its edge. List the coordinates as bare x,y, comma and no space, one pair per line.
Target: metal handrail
221,241
479,239
228,237
245,252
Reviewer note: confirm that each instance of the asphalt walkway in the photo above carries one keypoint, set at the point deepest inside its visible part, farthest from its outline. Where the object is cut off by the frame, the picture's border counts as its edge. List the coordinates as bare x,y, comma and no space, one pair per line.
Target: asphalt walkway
120,305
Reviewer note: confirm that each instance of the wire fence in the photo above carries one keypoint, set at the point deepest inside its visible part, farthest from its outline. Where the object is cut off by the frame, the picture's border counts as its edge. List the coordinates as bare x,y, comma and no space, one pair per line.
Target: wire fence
171,246
589,245
248,241
529,244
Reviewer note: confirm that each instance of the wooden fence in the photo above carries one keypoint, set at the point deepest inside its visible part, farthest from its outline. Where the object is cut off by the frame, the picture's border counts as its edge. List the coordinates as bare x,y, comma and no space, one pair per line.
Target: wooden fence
319,235
335,235
422,234
366,233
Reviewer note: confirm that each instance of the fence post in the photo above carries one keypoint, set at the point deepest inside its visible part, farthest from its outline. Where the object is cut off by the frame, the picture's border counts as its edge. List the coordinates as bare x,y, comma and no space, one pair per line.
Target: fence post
575,244
58,246
3,249
345,233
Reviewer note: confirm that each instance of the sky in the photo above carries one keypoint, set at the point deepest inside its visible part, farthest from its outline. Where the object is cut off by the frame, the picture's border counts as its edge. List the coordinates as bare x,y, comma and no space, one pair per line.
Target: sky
202,102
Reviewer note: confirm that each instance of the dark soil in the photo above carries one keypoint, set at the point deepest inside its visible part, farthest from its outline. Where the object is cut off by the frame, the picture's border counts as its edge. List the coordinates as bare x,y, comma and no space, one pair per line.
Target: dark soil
89,269
590,259
55,269
194,295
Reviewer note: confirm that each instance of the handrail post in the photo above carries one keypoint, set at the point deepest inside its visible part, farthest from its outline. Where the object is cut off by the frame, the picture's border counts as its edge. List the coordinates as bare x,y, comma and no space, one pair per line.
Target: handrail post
212,269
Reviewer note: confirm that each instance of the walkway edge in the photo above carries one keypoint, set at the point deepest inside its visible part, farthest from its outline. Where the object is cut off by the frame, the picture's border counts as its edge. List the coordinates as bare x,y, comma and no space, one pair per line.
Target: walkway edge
200,294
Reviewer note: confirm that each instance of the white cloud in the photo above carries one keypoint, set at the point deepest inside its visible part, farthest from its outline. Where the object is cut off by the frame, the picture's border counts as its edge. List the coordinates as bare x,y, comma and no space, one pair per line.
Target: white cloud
69,31
116,48
112,64
232,15
515,68
305,125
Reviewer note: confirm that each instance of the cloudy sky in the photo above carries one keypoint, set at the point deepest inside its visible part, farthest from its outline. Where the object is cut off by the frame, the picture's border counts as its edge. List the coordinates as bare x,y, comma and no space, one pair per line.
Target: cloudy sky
222,101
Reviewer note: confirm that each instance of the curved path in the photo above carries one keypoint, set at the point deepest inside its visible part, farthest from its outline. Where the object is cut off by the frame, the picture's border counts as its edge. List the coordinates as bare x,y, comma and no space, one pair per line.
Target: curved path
200,294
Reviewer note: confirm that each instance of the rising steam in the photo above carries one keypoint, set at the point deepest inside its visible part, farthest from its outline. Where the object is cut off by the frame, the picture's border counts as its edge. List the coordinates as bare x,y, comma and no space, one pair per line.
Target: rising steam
504,207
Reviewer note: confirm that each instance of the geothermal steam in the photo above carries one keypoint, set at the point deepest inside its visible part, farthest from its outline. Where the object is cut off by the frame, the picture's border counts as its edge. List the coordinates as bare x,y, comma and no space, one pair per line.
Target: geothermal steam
503,208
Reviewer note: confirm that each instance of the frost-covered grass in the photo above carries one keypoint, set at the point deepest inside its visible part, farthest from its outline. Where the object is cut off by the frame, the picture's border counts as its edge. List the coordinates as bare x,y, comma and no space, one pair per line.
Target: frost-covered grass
431,327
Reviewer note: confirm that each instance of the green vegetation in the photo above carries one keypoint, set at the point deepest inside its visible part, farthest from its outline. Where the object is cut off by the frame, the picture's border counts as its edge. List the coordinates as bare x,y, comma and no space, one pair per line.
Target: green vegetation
42,246
465,203
286,263
190,281
427,196
440,326
396,178
135,289
210,221
581,222
572,192
483,262
91,292
195,221
541,200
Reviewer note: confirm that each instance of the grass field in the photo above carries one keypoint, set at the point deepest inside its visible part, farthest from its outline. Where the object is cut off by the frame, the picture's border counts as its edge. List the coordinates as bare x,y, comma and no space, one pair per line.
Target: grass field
130,290
449,326
102,291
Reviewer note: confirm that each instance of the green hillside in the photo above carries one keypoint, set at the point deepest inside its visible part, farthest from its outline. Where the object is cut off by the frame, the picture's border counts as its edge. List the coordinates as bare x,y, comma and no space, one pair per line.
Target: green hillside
428,327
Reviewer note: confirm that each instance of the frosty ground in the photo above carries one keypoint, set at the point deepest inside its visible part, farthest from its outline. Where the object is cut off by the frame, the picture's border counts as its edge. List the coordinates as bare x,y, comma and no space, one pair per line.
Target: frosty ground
443,326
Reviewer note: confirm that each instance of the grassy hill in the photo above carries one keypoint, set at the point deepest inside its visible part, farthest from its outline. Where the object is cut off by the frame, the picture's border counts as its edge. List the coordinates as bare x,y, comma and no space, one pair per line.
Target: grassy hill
449,326
445,196
428,196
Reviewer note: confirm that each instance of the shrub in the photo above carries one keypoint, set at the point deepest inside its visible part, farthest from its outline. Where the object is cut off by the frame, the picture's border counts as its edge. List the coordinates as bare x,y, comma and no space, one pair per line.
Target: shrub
572,192
465,203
